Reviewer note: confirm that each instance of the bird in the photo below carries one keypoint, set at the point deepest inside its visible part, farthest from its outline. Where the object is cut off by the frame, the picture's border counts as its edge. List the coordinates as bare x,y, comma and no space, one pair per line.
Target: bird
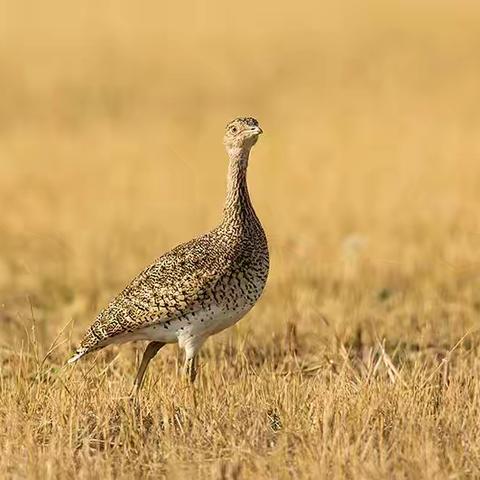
200,287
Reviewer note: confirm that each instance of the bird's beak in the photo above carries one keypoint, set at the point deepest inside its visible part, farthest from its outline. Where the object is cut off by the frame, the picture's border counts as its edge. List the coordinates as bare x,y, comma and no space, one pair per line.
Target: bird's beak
256,130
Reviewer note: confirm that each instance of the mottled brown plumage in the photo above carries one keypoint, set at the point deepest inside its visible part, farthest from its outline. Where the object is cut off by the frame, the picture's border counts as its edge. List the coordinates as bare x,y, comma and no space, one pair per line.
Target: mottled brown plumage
200,287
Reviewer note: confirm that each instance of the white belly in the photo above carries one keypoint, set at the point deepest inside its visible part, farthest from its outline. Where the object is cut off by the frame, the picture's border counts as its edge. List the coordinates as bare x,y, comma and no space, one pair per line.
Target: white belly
200,324
213,322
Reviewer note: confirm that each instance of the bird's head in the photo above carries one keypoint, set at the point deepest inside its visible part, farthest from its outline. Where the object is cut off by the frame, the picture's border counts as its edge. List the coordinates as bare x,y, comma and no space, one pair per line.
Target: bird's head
241,134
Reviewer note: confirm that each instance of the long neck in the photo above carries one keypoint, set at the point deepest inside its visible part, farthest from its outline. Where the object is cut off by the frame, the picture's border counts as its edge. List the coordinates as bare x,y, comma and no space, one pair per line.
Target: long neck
238,205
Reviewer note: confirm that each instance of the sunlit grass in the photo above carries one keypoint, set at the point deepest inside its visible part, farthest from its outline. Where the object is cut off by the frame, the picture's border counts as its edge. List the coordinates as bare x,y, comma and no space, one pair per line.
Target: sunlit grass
361,360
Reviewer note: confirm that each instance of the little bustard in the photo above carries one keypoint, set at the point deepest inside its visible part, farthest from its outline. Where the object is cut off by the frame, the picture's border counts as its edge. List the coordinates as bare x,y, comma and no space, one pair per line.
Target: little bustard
200,287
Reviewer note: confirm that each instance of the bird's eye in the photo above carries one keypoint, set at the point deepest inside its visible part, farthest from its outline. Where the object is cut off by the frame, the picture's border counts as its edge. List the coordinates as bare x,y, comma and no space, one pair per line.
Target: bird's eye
234,129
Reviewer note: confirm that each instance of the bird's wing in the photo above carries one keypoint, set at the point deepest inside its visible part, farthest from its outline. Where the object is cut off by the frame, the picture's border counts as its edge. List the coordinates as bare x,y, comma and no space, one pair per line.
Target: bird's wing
175,284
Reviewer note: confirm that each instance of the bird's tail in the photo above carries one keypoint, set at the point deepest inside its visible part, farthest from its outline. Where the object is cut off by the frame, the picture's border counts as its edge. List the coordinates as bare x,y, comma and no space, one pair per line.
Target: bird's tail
78,354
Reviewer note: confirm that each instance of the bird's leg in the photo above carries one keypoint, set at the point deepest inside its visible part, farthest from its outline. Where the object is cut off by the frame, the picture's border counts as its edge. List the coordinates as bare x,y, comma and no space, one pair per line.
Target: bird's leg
150,352
192,346
191,368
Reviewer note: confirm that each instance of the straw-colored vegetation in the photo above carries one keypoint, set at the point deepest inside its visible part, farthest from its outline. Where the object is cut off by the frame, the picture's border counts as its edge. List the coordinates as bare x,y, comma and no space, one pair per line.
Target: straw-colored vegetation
362,359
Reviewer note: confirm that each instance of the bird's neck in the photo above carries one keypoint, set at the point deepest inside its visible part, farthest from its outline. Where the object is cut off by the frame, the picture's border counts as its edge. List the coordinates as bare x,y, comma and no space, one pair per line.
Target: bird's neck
238,206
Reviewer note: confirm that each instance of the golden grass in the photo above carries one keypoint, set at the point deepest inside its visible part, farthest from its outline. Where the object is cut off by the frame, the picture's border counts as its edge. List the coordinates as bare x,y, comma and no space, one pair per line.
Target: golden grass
362,358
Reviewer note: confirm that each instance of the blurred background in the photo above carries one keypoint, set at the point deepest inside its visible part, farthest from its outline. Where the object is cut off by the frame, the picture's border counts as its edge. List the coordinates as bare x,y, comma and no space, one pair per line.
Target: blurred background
367,178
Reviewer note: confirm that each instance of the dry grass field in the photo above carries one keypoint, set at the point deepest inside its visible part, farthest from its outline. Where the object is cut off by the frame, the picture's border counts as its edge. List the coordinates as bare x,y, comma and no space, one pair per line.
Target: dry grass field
362,359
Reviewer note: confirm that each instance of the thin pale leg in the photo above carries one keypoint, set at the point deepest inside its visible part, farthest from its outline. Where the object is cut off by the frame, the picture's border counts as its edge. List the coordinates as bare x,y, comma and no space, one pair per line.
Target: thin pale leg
191,368
150,352
191,349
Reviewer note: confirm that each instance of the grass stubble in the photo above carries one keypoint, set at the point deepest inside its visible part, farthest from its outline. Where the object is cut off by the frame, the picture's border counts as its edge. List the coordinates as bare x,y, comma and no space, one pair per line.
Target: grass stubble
362,358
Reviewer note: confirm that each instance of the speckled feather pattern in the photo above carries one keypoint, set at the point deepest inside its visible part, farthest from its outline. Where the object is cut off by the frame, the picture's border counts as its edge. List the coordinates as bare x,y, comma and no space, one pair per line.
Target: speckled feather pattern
199,287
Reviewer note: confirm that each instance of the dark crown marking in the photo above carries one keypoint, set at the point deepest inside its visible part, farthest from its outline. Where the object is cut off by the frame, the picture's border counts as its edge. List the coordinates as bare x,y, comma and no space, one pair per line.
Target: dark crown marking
250,121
